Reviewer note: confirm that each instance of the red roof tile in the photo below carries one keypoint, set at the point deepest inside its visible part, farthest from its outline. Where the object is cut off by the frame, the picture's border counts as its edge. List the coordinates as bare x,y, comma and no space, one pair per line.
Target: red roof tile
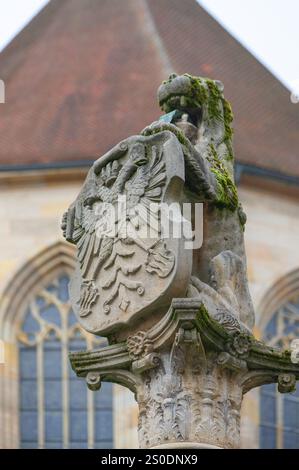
83,75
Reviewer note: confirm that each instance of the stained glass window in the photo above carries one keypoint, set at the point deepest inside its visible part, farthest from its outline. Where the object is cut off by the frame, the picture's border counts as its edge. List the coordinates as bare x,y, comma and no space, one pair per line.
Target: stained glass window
279,413
56,408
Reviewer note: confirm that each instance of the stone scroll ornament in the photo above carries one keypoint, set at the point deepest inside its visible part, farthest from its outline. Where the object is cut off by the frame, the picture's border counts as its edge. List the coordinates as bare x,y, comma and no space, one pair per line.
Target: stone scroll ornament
178,319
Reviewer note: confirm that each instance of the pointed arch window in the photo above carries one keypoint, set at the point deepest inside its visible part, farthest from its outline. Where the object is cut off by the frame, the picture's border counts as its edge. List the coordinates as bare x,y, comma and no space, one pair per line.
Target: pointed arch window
56,408
279,413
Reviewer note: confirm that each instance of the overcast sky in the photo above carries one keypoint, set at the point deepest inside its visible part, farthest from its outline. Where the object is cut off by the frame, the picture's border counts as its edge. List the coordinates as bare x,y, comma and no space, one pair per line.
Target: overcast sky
14,15
268,28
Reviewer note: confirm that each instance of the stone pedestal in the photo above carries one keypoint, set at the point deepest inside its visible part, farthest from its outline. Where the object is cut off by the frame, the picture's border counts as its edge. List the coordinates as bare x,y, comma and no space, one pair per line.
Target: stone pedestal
189,374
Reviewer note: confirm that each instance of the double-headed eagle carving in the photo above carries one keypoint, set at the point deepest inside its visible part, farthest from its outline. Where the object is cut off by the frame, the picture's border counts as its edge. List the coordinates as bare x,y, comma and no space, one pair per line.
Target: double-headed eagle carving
115,223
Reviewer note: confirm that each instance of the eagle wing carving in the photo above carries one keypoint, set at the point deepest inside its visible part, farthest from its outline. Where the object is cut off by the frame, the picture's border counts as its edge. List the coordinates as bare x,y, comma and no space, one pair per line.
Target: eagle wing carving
115,223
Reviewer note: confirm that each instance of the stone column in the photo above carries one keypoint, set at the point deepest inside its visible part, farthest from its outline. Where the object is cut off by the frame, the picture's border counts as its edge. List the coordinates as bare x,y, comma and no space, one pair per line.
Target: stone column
189,374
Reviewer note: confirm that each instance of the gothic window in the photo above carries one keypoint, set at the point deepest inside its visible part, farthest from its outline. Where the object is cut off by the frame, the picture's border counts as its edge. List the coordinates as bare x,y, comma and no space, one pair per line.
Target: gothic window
279,413
56,408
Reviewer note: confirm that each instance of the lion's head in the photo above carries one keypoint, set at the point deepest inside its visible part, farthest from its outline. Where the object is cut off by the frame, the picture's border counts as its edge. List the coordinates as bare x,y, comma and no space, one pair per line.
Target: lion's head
201,102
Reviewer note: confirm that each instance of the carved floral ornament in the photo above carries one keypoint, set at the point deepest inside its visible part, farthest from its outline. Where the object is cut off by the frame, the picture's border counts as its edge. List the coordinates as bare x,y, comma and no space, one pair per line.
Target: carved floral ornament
139,345
239,345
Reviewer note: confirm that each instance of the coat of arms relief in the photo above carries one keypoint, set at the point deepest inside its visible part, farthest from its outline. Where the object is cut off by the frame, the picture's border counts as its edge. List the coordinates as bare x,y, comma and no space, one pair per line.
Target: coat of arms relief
127,261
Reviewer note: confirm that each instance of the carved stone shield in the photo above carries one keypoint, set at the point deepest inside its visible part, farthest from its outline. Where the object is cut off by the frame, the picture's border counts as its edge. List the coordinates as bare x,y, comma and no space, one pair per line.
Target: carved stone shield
130,234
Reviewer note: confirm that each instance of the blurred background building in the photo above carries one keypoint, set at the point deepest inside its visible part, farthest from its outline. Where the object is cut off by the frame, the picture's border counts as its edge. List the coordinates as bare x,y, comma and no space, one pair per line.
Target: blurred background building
79,78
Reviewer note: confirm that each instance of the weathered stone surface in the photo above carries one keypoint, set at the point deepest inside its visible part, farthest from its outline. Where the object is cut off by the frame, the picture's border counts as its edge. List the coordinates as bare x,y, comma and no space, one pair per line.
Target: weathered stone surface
189,360
220,263
189,374
136,270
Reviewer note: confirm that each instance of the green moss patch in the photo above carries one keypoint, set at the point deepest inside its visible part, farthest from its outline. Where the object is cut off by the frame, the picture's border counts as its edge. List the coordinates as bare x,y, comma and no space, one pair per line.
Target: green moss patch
227,195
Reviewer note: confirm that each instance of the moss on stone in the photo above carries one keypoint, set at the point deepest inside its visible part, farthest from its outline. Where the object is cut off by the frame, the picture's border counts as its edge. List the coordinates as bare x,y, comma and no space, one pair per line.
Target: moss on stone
228,118
214,102
227,195
199,93
228,131
164,126
205,92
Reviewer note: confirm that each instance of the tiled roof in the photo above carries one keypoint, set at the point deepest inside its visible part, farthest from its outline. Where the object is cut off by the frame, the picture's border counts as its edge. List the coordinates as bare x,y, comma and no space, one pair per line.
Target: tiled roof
83,75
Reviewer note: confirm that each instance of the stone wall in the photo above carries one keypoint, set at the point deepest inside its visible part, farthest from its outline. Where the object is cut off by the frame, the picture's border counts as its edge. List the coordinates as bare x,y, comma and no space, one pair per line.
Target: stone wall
271,237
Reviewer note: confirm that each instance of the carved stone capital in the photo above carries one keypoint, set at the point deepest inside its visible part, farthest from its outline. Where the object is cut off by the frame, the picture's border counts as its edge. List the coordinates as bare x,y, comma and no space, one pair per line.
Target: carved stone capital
188,373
